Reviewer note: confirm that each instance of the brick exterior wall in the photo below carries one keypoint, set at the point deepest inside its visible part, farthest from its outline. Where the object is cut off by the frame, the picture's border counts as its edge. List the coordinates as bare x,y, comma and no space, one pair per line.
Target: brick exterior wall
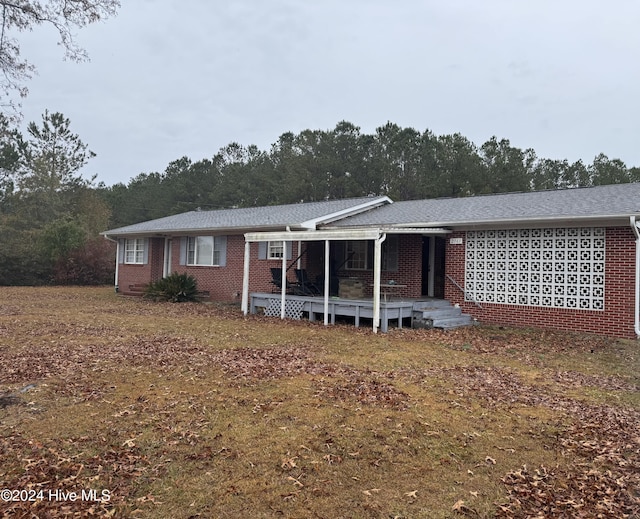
225,283
222,283
617,318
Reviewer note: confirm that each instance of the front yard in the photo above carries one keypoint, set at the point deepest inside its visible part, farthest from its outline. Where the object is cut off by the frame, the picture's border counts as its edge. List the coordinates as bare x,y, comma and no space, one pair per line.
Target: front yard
121,407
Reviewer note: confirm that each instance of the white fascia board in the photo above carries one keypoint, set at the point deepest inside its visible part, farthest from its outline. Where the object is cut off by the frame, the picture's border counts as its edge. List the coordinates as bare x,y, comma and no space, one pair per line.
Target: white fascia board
350,211
550,221
542,221
425,231
346,234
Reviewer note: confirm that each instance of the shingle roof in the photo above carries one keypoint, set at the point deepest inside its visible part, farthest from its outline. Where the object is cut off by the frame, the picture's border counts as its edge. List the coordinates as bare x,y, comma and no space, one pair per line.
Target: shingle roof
601,202
275,217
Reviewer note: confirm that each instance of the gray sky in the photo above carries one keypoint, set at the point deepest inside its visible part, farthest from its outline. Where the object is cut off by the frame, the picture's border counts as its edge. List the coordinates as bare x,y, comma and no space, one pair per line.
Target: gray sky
170,78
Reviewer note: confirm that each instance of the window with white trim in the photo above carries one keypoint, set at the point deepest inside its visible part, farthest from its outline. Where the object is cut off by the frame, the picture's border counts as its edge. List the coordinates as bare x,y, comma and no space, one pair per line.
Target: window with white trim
275,249
134,251
203,251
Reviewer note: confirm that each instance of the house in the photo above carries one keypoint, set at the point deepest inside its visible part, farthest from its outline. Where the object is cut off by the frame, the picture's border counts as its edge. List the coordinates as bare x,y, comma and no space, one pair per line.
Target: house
566,259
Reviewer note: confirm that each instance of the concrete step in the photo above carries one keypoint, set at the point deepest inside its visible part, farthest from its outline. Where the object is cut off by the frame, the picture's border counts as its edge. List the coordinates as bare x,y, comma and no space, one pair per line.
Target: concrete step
439,313
430,304
454,322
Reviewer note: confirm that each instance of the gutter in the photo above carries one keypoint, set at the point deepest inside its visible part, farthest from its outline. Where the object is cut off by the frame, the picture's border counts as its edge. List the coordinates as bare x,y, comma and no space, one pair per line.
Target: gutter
117,242
636,324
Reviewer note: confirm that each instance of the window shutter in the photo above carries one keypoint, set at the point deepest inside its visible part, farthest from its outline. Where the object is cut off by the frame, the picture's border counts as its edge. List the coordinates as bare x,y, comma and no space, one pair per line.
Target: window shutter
122,243
289,249
262,250
183,250
221,245
145,251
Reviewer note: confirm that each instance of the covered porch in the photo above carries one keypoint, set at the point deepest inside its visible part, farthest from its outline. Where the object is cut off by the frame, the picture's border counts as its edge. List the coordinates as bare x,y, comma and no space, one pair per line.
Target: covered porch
379,306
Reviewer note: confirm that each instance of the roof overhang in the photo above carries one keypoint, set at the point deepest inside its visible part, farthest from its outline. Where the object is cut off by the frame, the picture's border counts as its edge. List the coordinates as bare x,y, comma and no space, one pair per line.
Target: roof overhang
564,221
313,223
618,220
340,234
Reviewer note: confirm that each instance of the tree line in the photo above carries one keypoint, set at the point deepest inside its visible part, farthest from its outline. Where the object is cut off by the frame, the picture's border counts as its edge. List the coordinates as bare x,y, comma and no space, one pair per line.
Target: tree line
51,217
344,162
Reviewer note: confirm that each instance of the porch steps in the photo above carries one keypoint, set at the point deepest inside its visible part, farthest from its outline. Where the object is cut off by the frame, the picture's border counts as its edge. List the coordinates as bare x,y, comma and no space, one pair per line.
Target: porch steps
136,290
439,313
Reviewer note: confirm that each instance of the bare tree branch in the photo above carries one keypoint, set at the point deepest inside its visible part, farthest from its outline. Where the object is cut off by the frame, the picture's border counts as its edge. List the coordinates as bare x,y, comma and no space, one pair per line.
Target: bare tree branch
24,15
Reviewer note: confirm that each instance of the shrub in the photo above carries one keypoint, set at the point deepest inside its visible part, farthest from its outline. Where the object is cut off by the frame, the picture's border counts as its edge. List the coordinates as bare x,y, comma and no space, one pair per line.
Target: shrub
91,264
176,288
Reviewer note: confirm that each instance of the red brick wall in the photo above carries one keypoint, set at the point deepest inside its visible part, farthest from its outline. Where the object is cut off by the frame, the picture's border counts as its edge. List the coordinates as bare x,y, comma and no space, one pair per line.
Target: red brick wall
225,283
617,318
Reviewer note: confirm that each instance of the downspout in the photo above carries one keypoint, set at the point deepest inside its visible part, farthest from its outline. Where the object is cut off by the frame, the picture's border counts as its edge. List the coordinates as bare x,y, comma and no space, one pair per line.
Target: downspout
327,273
636,318
117,242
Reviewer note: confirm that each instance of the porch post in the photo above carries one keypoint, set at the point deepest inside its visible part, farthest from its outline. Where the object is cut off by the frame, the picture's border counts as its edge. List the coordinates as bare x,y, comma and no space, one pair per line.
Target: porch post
245,278
377,266
283,294
117,264
326,282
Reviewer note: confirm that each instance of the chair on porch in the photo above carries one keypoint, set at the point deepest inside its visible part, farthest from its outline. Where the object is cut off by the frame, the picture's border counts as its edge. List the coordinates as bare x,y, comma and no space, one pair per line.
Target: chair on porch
306,287
276,281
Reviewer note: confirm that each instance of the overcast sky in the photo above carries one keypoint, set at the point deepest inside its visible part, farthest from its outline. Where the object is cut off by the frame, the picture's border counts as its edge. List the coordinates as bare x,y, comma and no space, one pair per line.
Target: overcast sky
170,78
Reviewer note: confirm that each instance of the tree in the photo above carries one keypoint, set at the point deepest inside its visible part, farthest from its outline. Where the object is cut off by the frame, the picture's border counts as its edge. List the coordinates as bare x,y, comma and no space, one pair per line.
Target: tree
53,156
608,171
50,221
508,168
9,160
24,15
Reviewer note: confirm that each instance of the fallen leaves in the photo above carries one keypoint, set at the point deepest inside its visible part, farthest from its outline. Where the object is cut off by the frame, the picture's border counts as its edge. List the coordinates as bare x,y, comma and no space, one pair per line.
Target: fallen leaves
602,481
310,416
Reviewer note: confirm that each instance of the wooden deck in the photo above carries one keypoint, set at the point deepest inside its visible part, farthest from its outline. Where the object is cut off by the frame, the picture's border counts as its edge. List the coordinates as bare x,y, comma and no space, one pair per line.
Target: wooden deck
296,306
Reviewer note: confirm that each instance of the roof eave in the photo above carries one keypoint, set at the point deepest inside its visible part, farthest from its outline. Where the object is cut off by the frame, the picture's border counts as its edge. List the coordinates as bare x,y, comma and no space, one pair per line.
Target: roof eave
312,224
573,221
199,231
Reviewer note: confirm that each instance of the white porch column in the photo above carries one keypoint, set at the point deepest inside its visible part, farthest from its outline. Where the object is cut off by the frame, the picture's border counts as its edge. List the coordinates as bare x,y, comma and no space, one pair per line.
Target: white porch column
326,282
245,278
283,294
377,267
117,264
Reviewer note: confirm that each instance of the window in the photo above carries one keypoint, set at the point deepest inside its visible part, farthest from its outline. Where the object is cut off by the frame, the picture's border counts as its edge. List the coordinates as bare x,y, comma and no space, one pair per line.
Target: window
203,250
275,250
359,255
134,251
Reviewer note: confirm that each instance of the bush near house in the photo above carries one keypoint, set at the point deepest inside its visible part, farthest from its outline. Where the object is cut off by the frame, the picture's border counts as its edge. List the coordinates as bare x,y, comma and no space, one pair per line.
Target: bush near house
176,288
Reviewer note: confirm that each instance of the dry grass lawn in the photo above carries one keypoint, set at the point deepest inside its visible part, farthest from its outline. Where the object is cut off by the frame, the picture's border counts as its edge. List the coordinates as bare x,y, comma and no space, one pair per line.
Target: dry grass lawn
192,410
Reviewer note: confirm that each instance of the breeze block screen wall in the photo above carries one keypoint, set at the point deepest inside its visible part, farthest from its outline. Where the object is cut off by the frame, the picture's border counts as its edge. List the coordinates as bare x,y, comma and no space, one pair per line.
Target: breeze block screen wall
555,268
580,279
